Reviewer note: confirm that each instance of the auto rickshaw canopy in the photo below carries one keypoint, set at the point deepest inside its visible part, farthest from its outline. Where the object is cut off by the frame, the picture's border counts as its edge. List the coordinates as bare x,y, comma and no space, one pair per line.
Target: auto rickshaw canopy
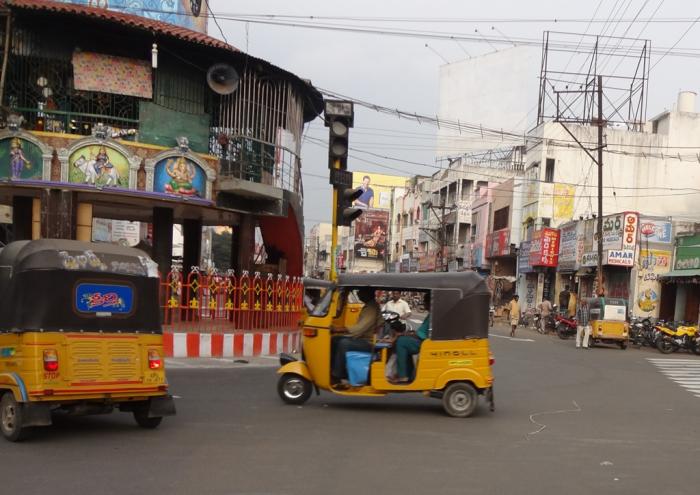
64,285
459,300
607,308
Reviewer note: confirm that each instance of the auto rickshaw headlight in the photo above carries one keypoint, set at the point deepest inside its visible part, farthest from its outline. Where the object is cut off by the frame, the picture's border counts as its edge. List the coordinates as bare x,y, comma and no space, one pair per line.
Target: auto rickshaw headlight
50,360
154,360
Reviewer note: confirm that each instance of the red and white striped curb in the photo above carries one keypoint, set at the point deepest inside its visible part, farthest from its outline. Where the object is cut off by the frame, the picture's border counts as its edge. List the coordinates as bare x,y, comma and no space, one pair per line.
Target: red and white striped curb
250,344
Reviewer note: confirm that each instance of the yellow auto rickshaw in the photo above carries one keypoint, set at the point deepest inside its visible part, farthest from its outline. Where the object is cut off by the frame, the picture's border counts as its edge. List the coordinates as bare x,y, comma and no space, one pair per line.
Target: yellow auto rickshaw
608,320
80,333
453,364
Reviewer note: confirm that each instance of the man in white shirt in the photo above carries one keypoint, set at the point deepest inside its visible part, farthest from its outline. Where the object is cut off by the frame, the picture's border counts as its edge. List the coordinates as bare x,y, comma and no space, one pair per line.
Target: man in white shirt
398,305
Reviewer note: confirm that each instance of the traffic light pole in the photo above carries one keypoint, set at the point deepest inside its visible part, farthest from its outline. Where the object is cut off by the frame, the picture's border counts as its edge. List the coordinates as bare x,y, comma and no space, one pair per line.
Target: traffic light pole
334,229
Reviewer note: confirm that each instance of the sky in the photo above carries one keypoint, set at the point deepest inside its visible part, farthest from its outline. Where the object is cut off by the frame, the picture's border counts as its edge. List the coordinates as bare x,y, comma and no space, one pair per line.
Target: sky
402,73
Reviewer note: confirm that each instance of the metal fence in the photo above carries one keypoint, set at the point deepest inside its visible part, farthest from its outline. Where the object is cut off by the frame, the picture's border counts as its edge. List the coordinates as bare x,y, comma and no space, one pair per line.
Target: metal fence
225,303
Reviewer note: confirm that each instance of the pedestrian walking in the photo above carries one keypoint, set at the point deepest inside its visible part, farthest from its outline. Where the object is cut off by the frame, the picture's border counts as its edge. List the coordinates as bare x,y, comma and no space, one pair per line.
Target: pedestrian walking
583,328
546,309
514,312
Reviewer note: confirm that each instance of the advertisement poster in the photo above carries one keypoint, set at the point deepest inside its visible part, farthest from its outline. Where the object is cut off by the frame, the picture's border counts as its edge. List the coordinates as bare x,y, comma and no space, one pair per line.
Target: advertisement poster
652,264
377,189
191,15
568,246
98,165
179,176
654,231
371,234
20,159
563,201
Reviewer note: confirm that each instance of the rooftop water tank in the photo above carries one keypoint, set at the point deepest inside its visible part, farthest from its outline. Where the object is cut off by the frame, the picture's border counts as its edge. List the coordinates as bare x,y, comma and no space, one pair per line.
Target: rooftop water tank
686,101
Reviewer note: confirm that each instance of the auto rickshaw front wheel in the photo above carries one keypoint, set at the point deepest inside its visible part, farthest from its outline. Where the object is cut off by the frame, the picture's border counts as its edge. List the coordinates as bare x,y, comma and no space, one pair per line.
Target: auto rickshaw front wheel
460,399
294,389
11,418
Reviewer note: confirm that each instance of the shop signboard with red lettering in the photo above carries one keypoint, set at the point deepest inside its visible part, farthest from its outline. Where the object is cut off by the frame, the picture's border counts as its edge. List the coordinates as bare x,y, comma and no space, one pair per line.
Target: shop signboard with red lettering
630,231
544,249
498,243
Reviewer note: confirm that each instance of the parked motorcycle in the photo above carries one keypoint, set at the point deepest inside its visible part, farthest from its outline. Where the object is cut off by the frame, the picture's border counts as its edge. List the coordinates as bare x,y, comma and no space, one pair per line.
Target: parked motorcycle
673,337
643,332
564,326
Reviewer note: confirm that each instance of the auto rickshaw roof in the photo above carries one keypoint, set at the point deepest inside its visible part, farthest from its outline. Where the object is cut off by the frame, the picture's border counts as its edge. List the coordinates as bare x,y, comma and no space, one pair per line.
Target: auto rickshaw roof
467,282
61,254
317,283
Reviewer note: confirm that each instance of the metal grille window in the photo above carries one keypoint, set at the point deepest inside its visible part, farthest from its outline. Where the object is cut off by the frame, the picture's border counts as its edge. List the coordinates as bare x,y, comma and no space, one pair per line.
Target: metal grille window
500,218
40,86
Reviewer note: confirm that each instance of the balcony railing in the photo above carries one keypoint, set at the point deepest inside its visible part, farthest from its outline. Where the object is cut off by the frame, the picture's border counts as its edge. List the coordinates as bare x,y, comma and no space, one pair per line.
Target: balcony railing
258,161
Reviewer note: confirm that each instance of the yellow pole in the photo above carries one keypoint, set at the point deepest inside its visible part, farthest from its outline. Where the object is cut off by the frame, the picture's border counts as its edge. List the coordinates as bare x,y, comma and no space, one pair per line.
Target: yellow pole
334,228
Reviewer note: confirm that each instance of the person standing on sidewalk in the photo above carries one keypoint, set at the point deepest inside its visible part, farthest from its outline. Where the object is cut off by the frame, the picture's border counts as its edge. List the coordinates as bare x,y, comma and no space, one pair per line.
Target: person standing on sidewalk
545,308
583,327
514,314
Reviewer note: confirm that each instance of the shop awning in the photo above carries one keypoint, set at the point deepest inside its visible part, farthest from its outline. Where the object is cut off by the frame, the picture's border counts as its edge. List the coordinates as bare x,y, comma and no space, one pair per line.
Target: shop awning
681,273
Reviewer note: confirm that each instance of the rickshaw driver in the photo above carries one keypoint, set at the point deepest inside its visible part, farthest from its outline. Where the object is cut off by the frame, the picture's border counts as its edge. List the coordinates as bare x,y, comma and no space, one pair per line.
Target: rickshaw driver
359,336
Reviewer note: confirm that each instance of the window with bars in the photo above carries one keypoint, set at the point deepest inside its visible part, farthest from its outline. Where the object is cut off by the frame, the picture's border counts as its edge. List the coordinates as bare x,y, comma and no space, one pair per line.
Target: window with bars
500,218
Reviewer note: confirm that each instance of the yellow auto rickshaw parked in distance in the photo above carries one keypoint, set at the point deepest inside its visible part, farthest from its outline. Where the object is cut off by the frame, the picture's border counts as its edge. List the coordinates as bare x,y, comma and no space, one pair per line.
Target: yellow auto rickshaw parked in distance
80,333
608,320
454,362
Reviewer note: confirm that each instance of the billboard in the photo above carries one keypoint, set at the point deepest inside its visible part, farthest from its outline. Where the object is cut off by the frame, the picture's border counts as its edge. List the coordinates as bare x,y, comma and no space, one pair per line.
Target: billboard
656,231
191,14
371,234
377,189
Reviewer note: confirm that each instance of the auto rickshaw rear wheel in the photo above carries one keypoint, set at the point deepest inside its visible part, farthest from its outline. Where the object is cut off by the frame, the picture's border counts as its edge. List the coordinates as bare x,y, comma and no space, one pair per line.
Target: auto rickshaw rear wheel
294,389
460,399
11,418
142,419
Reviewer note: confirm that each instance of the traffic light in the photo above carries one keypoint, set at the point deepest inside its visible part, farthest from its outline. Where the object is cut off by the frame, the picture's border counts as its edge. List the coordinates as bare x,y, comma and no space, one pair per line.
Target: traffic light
339,118
346,213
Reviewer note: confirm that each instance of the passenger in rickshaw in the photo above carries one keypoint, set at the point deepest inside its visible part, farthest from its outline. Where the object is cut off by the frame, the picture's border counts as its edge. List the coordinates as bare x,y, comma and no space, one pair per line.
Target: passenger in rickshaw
359,337
409,345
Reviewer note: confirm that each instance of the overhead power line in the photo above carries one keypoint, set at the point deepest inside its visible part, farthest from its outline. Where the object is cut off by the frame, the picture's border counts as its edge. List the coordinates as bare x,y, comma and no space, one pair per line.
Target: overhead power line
310,22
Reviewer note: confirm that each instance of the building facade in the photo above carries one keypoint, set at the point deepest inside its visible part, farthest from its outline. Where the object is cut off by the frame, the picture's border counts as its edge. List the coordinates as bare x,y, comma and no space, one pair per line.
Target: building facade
116,116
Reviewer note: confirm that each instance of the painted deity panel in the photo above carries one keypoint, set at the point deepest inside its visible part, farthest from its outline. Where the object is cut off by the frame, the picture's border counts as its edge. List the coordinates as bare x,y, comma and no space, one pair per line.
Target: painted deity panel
20,159
98,165
179,176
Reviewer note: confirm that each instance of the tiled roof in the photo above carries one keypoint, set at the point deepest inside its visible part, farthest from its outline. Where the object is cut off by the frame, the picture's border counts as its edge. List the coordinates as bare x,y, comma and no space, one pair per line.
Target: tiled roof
133,21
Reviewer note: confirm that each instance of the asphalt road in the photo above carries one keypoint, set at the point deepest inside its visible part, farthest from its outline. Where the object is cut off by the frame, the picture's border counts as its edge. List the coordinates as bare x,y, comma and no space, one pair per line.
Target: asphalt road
566,421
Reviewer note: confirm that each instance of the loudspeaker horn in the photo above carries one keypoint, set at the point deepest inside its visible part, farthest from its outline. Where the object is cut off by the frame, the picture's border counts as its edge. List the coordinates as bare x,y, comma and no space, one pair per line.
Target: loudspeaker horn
223,79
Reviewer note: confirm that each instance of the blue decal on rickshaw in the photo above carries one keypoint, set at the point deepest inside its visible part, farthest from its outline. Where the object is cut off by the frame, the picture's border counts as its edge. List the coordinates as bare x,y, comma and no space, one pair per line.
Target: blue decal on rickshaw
104,298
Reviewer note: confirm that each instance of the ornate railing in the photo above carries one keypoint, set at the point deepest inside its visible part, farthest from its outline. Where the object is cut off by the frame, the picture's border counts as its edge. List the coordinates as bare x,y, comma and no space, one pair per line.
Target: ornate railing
224,302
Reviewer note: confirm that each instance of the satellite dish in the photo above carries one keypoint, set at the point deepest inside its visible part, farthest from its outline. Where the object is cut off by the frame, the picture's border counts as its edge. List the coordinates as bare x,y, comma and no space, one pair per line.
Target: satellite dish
223,79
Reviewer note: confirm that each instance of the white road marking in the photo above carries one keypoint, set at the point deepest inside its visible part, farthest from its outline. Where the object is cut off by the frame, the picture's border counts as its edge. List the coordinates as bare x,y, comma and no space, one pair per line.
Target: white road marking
517,339
685,372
